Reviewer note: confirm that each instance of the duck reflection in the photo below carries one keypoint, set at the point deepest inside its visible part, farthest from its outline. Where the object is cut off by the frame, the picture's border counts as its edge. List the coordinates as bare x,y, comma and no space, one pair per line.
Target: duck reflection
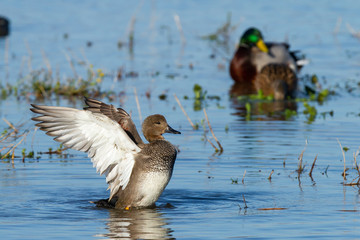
259,110
137,224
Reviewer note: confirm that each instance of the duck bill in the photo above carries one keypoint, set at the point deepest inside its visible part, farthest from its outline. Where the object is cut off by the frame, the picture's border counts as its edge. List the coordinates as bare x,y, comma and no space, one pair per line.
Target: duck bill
262,46
171,130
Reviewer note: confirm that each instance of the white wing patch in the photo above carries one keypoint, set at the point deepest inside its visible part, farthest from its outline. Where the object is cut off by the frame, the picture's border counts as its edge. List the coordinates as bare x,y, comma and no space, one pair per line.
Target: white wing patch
109,147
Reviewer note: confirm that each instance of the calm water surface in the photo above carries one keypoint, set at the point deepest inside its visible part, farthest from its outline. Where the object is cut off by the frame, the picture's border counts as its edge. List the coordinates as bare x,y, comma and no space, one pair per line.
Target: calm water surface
49,197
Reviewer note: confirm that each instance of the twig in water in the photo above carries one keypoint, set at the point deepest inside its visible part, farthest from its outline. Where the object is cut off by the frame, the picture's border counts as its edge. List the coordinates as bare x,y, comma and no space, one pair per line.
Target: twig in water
337,26
71,65
47,62
312,167
353,31
10,125
12,157
30,55
357,167
178,25
186,115
23,59
355,162
131,34
272,171
33,137
8,135
343,153
271,209
6,147
138,104
13,148
212,132
243,179
300,165
326,169
216,149
245,202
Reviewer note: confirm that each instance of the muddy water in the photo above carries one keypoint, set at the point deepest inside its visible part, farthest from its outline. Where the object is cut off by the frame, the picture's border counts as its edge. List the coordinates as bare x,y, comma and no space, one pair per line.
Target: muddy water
48,198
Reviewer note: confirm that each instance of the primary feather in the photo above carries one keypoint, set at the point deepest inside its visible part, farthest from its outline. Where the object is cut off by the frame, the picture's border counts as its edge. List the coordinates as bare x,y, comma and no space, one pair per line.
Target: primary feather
110,148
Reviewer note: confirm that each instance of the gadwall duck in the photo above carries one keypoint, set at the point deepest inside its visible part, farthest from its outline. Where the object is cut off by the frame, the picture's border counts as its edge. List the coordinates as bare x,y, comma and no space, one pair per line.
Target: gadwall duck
253,55
137,173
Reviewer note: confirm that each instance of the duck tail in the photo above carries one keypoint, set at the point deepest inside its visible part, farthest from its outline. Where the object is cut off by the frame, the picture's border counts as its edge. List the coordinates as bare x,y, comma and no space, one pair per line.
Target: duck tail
300,59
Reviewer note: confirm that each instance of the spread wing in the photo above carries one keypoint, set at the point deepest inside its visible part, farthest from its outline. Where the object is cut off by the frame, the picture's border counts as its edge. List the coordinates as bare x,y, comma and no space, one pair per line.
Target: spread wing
109,147
117,114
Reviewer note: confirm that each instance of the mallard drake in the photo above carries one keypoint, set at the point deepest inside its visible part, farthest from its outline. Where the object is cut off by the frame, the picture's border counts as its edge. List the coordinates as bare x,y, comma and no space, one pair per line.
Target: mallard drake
253,54
137,173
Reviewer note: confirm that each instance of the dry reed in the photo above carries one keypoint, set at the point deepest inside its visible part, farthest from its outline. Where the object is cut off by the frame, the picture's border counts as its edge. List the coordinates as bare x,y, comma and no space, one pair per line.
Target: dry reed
183,110
272,171
138,104
312,167
300,164
212,132
343,153
243,178
15,146
245,202
179,27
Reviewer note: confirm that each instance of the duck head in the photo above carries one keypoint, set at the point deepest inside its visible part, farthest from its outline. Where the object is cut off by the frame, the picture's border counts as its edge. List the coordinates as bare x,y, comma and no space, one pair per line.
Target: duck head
253,37
154,126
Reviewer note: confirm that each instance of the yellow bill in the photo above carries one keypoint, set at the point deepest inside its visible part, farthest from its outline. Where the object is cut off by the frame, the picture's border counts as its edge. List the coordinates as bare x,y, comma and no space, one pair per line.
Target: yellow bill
261,45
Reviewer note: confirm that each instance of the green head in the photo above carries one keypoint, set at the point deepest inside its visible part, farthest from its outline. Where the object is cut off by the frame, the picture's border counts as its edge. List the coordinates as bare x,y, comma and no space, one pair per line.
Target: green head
253,37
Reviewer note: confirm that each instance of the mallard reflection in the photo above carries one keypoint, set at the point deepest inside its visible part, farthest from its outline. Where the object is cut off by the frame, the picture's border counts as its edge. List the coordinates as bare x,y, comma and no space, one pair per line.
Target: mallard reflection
259,109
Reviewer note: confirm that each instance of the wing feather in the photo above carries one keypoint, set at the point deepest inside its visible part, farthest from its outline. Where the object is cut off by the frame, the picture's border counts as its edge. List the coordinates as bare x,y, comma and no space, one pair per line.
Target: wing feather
111,150
119,115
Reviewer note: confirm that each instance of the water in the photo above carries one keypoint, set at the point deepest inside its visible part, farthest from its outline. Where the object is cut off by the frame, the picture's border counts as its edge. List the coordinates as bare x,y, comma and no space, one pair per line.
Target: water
48,198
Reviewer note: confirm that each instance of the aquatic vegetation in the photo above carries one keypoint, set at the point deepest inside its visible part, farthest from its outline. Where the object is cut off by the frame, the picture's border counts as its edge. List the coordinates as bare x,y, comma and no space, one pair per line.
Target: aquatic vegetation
41,84
226,128
248,111
260,96
221,36
310,112
27,155
200,96
234,180
199,93
289,113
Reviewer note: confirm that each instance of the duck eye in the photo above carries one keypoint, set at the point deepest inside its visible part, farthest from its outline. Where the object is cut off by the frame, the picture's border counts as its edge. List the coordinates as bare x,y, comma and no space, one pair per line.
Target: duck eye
157,123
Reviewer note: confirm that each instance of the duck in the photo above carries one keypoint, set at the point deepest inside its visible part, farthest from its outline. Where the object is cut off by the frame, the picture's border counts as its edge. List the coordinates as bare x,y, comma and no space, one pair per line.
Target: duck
4,26
136,172
263,65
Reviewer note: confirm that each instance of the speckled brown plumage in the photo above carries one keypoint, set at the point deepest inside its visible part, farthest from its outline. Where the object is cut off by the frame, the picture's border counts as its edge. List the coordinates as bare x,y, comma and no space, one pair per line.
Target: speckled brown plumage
277,80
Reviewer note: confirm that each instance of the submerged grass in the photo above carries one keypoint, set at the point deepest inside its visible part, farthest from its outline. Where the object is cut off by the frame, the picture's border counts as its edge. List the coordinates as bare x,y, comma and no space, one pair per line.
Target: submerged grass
41,84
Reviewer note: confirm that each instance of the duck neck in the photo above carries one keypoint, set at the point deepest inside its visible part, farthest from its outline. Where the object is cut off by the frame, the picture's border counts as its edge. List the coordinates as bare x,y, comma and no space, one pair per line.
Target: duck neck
152,138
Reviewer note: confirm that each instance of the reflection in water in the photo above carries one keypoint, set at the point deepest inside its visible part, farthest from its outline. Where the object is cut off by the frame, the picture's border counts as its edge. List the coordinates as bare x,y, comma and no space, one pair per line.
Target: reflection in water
137,224
260,110
242,88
